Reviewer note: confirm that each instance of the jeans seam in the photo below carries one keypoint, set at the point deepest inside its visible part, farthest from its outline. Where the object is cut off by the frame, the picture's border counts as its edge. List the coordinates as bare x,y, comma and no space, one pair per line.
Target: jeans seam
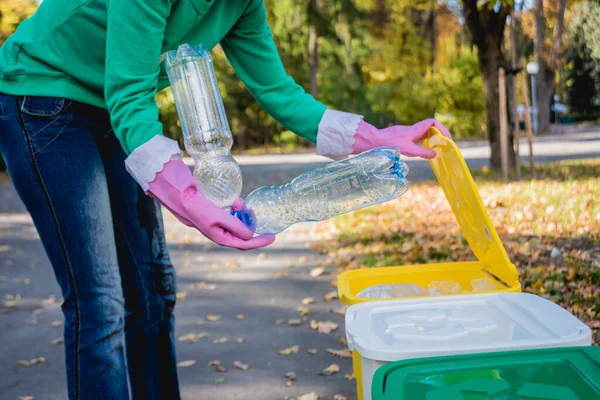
63,249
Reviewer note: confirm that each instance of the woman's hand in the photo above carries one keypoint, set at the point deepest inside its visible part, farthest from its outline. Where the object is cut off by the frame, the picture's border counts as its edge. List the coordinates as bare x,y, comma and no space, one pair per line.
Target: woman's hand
403,137
176,189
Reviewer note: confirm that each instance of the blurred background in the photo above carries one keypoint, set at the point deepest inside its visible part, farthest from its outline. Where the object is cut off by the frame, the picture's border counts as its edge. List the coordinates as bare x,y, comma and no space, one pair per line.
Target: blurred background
400,61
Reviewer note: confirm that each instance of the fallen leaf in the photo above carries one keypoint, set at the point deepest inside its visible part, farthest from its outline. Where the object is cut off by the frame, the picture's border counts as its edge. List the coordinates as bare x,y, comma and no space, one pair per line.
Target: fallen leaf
213,318
56,323
302,259
291,376
343,341
294,322
279,321
349,377
281,274
331,370
308,396
313,324
290,350
48,301
339,397
239,365
240,340
26,398
218,366
344,353
303,311
261,256
308,300
203,285
331,296
28,363
220,380
57,341
325,327
289,383
317,272
312,351
240,316
339,310
10,303
186,363
181,296
23,281
192,337
221,340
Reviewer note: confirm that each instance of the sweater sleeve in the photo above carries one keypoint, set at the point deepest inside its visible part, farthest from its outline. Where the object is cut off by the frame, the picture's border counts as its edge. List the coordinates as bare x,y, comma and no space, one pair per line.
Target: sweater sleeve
250,49
134,38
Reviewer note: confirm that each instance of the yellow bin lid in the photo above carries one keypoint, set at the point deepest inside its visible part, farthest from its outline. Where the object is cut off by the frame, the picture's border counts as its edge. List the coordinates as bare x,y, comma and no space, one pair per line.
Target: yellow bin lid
454,177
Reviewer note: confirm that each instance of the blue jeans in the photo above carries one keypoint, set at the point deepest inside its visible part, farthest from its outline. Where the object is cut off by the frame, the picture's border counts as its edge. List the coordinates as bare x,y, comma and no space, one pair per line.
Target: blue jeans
105,240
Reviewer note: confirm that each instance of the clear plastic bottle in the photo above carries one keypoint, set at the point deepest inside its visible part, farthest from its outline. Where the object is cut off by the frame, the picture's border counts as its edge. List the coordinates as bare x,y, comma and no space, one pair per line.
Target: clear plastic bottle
373,177
204,124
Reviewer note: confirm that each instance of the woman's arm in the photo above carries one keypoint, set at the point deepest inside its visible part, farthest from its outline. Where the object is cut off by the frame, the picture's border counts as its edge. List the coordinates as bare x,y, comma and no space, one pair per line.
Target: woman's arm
250,49
134,38
252,53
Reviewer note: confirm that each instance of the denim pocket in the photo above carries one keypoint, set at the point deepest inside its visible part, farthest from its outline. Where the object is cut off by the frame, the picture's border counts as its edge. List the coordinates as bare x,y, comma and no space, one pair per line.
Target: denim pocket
45,118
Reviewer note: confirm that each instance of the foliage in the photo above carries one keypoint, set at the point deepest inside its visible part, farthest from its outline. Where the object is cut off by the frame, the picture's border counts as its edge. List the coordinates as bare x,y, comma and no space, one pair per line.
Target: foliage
559,210
583,58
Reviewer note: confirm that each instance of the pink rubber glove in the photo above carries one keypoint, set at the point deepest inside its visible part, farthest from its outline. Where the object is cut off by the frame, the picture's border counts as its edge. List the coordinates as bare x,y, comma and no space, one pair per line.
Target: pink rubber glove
403,137
176,189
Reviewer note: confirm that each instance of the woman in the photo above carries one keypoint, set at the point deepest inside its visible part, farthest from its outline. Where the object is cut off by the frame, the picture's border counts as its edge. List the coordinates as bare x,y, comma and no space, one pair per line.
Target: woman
77,113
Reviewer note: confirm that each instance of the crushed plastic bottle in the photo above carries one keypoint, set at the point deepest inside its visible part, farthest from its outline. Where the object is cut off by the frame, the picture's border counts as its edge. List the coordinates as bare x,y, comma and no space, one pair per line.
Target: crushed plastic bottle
373,177
484,285
445,287
206,132
393,291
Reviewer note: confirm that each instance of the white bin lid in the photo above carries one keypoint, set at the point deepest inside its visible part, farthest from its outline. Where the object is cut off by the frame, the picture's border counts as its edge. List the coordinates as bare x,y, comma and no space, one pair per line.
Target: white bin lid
436,326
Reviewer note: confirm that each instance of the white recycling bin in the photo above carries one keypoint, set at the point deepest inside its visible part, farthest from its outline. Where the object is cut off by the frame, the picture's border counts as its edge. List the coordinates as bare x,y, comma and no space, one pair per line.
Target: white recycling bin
383,332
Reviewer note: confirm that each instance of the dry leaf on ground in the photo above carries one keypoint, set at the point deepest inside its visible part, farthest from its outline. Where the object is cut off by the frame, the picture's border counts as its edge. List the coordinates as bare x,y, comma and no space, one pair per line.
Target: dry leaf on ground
240,316
317,272
331,370
181,296
324,327
279,321
239,365
294,322
218,366
349,377
29,363
339,310
240,340
290,350
213,317
221,340
57,341
344,353
56,323
303,311
308,300
186,363
343,341
192,337
203,285
339,397
312,351
308,396
331,296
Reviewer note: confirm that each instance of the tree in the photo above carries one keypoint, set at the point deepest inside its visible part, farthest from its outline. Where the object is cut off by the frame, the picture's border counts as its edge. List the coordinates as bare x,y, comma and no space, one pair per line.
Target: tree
547,54
486,28
582,59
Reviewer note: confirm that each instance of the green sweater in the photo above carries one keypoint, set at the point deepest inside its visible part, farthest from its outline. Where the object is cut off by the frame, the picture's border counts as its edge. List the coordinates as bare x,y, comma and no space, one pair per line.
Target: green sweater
106,53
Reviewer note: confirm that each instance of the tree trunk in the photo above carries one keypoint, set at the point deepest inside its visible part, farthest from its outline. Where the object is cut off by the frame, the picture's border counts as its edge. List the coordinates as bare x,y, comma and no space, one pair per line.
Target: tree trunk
313,40
489,63
547,58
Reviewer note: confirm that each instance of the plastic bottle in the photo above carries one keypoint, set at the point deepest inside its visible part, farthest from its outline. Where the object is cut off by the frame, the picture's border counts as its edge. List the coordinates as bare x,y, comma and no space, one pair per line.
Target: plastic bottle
206,132
373,177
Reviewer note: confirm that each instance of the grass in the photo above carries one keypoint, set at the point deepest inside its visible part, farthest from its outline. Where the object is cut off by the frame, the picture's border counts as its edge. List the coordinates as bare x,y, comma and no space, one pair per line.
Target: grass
558,212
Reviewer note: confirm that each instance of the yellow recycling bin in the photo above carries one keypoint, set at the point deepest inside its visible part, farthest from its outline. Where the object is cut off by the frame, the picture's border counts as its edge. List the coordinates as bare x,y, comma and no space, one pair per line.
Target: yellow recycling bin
454,177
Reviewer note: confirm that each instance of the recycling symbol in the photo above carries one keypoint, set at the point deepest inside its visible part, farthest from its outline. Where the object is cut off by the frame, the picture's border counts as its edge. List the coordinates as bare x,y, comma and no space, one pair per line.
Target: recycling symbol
435,325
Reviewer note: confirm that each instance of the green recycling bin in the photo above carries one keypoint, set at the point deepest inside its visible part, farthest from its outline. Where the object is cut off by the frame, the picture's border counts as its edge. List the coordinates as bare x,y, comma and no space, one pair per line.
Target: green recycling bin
570,373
